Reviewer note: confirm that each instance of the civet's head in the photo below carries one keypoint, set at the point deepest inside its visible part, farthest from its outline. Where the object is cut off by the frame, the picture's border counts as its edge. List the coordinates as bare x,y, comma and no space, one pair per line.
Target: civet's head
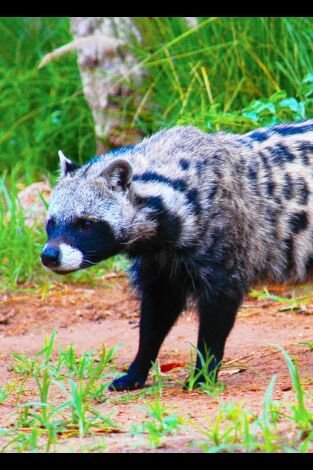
89,215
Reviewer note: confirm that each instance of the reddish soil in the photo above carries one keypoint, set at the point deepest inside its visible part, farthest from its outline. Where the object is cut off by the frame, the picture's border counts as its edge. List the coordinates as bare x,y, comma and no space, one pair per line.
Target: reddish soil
108,314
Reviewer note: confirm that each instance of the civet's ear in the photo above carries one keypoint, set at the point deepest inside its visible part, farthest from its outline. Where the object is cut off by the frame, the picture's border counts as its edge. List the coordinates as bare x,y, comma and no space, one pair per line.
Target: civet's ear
118,174
66,165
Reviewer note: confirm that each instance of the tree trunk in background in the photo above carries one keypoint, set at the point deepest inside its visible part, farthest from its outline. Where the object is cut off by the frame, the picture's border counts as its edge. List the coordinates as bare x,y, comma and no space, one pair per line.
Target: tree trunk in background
102,68
102,71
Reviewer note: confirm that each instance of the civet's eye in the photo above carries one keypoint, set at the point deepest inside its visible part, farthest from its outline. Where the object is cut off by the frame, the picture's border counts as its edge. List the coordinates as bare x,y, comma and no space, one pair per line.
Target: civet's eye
86,225
50,224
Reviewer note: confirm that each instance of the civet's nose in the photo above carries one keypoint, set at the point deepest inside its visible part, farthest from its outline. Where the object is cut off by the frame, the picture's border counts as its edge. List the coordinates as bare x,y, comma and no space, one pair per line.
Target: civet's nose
50,257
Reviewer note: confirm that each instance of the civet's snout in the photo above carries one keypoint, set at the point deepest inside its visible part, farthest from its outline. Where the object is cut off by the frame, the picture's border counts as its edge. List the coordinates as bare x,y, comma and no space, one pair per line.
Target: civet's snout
50,257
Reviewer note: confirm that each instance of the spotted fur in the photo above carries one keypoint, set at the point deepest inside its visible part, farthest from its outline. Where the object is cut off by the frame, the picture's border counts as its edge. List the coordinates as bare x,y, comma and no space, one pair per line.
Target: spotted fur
201,215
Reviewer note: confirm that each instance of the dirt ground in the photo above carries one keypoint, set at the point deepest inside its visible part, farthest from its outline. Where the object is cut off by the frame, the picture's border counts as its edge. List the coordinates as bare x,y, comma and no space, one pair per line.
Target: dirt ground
108,314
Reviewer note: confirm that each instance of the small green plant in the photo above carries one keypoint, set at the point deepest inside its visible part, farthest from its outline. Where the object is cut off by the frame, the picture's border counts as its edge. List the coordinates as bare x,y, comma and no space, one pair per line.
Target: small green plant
28,441
209,383
33,366
77,367
47,350
266,422
301,415
158,380
83,416
85,365
80,392
44,387
161,424
293,303
235,428
23,365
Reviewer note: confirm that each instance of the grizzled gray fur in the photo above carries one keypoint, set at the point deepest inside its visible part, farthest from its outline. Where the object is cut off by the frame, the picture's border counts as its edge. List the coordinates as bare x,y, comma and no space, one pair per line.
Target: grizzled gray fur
201,215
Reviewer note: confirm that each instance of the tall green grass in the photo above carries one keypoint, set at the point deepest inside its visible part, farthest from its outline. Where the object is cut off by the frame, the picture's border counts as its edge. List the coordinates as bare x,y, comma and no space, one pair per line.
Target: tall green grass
20,246
82,384
223,63
41,110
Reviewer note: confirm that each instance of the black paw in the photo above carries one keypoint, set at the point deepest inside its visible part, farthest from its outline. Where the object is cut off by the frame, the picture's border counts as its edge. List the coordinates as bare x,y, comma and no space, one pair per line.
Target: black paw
126,382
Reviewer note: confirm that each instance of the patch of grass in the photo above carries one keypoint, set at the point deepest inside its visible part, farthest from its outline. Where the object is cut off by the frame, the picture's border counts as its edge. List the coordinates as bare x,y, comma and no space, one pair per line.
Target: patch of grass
232,429
301,415
209,383
293,302
43,110
208,74
223,73
43,424
22,441
24,365
45,420
161,422
263,112
83,415
19,245
238,429
82,367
